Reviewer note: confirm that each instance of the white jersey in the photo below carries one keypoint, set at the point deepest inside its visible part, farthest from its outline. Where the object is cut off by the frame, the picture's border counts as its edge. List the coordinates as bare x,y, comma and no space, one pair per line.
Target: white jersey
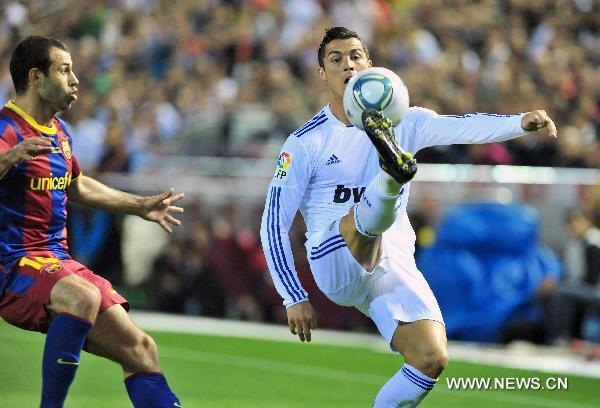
325,165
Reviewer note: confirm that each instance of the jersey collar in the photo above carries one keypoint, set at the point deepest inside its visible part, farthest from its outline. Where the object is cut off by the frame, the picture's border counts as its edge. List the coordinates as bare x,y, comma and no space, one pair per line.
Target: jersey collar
51,130
334,118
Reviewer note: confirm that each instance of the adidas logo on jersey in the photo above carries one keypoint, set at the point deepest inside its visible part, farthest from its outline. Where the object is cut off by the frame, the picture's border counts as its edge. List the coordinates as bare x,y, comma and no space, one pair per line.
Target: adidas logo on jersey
333,160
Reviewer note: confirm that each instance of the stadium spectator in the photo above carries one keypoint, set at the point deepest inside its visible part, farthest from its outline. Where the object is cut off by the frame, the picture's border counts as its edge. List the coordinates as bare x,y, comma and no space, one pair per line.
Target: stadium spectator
423,219
576,300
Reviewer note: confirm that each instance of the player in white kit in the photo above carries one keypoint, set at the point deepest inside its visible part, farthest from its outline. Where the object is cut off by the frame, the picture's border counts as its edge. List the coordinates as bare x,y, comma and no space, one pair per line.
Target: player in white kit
360,244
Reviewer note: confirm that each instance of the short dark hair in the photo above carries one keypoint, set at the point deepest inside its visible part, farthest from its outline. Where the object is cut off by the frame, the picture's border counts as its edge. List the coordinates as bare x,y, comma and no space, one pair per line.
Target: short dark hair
31,52
337,33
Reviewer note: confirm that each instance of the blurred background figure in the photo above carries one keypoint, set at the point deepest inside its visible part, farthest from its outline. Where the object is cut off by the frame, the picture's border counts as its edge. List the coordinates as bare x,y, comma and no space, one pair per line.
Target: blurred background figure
486,267
573,305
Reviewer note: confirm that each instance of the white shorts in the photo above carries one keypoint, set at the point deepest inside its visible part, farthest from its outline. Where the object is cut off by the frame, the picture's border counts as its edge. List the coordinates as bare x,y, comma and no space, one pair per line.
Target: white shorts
395,291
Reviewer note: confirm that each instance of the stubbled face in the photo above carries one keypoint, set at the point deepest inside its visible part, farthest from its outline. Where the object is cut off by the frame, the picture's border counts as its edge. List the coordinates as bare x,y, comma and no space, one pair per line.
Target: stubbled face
343,59
59,88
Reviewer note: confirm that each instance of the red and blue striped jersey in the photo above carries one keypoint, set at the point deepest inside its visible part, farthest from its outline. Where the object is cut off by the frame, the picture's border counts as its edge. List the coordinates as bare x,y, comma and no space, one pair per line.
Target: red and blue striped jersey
33,193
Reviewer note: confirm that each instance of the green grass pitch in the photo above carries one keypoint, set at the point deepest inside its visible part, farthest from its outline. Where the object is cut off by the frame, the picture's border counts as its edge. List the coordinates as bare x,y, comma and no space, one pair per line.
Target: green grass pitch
219,372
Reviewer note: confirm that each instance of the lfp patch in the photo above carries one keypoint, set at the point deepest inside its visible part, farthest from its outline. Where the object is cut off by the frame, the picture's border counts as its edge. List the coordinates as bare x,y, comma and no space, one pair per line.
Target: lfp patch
283,164
285,159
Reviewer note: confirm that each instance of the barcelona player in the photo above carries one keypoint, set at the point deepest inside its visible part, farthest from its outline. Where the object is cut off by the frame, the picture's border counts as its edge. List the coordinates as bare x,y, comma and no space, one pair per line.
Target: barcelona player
352,188
41,287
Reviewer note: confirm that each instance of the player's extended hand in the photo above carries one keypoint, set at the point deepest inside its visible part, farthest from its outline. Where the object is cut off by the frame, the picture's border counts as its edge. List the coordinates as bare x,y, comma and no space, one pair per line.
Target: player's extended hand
32,147
301,319
538,120
157,208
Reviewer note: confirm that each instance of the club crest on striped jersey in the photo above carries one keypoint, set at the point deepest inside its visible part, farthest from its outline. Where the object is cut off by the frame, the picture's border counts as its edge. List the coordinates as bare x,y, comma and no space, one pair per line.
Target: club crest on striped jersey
53,268
283,166
66,148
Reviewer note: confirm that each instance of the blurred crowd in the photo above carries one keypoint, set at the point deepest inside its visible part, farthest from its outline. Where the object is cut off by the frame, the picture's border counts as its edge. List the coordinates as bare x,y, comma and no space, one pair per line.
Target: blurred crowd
234,78
217,268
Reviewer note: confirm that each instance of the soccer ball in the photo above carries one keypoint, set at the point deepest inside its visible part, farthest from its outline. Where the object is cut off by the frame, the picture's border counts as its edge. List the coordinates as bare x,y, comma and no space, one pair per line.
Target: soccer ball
376,88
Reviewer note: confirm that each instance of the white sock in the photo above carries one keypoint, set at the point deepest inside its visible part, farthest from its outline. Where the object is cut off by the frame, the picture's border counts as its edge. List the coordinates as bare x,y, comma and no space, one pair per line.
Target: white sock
406,388
387,184
376,210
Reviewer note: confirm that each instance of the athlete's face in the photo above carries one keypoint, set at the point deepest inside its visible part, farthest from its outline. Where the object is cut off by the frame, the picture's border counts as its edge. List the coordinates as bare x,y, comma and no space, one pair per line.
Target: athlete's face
342,60
59,88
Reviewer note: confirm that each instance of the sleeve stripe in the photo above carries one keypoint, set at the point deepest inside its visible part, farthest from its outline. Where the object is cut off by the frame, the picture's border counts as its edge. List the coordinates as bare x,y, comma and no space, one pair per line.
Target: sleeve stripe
310,122
328,240
335,237
274,253
287,269
317,250
330,250
498,115
470,115
311,127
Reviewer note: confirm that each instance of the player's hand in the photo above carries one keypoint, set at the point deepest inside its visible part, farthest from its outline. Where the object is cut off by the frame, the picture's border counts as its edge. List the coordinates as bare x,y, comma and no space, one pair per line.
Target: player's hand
538,120
301,319
157,208
32,147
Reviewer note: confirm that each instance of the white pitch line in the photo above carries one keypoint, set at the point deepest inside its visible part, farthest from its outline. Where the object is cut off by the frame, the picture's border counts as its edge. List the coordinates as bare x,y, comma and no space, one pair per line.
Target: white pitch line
270,365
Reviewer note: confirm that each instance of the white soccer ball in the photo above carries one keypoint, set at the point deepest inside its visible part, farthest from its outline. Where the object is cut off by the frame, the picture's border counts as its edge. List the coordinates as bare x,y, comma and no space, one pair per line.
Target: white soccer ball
376,88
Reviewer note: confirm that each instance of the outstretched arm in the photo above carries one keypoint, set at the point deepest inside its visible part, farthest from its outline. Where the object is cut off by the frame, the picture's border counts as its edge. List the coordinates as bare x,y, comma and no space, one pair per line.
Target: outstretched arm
433,129
91,193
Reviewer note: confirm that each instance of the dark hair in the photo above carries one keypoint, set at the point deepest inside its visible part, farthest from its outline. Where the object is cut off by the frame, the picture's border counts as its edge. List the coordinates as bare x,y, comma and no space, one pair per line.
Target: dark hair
32,52
337,33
